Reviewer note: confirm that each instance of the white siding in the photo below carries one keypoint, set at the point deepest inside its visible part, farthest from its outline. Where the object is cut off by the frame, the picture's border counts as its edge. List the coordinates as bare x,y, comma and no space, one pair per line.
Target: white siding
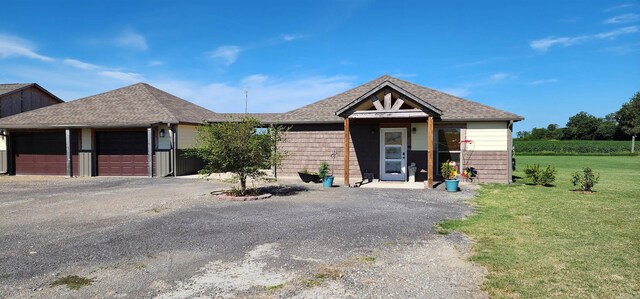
487,136
3,143
164,143
186,136
419,138
86,139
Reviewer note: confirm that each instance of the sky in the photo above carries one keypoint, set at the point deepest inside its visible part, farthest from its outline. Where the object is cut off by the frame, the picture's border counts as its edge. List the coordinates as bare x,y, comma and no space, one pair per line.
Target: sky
544,60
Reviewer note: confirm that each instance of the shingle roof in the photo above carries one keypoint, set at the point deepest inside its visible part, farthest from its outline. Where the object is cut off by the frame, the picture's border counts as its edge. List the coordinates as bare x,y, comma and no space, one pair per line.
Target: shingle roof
14,87
136,105
452,107
11,87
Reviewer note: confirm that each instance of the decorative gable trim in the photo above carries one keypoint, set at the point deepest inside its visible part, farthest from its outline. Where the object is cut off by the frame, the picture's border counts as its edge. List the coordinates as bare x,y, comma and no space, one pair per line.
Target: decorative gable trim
387,106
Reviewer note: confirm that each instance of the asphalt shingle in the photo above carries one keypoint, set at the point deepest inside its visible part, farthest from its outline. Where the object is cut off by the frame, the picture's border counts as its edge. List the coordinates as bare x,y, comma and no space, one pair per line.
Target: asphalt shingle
132,106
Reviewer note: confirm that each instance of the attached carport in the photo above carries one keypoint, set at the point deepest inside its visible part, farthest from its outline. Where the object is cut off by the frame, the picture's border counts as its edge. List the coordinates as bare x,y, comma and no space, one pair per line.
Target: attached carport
136,130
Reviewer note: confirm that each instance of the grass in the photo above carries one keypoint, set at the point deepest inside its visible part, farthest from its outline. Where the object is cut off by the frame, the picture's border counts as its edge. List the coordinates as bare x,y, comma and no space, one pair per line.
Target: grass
274,287
549,242
73,282
323,274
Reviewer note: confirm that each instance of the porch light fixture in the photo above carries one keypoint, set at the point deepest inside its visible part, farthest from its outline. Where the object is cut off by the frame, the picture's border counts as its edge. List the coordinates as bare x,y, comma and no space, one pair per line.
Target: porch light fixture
162,133
414,130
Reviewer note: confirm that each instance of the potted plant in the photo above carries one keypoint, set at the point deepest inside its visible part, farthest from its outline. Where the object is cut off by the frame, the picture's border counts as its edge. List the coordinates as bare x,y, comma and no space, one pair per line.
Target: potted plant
307,176
449,171
323,172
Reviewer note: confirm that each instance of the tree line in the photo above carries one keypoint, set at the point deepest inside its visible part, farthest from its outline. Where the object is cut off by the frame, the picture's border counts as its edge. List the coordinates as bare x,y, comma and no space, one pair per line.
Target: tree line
620,125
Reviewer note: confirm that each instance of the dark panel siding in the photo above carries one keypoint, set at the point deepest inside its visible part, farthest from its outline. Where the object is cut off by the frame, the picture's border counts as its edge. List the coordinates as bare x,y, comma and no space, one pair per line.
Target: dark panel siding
24,100
187,165
3,162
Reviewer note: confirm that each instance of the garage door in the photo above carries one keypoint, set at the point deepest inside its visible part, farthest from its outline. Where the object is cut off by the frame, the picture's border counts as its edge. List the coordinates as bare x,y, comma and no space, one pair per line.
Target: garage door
122,153
43,153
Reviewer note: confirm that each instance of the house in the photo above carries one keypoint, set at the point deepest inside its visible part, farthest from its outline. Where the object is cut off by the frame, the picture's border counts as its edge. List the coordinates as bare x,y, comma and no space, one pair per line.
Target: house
381,127
377,129
18,98
136,130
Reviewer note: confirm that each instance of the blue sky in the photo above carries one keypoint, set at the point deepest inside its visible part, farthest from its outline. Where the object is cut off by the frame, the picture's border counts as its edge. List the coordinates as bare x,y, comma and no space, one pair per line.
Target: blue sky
544,60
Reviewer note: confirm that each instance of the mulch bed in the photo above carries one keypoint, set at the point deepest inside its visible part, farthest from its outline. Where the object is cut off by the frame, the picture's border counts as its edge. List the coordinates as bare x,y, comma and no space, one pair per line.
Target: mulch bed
223,196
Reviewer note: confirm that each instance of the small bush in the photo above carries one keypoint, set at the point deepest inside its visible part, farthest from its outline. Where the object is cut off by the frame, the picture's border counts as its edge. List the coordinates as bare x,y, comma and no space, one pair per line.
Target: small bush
539,176
323,171
586,180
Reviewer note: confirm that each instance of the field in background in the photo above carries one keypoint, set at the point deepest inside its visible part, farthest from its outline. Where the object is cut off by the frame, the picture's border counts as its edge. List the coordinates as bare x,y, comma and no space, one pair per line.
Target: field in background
550,242
572,147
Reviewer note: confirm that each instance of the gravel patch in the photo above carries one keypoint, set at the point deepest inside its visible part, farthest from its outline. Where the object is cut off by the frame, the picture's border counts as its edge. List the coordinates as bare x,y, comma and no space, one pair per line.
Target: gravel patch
170,238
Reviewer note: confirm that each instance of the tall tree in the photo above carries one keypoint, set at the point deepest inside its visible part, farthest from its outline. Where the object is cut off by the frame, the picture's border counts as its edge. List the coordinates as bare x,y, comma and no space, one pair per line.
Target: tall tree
628,116
582,126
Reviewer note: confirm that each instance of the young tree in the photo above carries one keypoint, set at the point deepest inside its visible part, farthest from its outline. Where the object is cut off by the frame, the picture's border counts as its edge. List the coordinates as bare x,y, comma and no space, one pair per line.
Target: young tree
236,147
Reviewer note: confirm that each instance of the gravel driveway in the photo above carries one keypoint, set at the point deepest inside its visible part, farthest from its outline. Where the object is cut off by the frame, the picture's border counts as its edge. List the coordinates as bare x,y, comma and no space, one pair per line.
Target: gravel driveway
169,238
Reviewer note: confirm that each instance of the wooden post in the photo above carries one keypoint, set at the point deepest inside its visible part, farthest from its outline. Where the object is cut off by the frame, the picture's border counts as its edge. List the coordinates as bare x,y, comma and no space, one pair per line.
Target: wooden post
150,150
67,139
430,168
346,151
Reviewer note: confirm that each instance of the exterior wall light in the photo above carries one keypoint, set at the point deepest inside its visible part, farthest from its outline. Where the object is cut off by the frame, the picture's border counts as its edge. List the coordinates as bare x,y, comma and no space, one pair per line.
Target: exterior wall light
162,133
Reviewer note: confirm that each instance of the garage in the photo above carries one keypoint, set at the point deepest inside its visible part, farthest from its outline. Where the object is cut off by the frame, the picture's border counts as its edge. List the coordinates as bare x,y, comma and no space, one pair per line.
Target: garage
122,153
43,153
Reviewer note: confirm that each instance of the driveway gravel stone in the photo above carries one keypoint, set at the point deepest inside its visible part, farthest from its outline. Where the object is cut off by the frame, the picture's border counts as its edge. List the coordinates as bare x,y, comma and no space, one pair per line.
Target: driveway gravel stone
170,238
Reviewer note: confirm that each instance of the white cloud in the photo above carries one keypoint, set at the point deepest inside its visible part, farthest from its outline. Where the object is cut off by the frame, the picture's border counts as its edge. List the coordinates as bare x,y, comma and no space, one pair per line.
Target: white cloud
130,39
155,63
11,46
458,92
254,80
626,5
615,33
544,44
625,18
466,88
226,54
266,94
290,37
543,81
81,65
122,76
404,75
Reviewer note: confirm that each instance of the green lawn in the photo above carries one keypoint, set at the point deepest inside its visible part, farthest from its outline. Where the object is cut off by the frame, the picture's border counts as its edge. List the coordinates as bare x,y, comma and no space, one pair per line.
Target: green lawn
549,242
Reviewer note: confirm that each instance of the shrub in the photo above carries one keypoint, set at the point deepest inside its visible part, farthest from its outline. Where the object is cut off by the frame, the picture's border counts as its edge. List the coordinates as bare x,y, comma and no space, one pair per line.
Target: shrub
586,180
539,176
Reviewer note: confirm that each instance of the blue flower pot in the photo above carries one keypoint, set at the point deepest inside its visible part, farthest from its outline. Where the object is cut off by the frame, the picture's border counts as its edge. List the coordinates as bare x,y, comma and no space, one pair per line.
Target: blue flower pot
452,185
327,182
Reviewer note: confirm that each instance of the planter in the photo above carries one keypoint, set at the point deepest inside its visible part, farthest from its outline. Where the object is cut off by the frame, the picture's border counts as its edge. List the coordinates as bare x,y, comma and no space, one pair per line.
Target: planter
309,177
452,185
327,182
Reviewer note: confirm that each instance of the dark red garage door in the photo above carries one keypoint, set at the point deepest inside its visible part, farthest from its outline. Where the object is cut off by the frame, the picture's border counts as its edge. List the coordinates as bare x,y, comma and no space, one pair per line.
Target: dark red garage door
43,153
122,153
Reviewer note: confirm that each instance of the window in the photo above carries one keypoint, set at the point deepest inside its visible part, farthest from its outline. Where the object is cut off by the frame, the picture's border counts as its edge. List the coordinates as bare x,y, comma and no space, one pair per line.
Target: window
448,146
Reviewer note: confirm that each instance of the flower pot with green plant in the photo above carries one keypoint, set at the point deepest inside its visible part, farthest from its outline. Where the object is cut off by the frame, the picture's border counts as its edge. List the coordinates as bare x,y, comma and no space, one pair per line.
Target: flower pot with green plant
449,171
323,172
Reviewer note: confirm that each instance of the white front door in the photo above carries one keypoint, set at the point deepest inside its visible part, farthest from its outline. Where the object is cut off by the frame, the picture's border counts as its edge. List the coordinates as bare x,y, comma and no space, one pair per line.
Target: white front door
393,149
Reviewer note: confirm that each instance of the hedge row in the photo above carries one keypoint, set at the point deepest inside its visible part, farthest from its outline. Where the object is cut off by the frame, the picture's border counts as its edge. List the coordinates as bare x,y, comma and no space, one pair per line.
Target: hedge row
572,147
